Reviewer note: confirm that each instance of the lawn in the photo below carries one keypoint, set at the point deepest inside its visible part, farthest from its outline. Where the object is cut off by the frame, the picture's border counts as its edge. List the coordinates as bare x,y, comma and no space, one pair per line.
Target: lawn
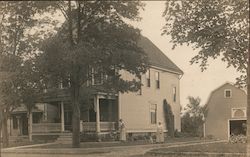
211,148
25,143
115,143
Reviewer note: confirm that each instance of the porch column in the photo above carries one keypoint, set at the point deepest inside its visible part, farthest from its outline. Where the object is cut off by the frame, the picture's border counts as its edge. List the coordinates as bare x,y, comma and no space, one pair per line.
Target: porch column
19,125
98,129
11,125
30,125
119,106
62,116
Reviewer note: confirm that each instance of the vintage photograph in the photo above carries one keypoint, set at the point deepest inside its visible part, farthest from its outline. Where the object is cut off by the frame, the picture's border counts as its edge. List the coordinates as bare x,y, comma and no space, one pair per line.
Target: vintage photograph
124,78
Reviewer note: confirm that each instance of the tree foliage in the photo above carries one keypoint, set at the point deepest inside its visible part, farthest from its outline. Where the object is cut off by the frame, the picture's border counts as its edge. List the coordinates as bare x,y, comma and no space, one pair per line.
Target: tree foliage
94,37
17,19
215,28
194,116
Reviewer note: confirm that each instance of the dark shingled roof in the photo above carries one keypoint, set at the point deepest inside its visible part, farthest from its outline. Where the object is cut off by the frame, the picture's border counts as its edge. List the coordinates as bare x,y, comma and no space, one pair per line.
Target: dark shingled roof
157,57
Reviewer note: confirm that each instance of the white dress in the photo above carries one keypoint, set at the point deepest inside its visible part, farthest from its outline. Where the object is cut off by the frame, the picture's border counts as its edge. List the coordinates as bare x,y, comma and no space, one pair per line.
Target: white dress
159,134
122,132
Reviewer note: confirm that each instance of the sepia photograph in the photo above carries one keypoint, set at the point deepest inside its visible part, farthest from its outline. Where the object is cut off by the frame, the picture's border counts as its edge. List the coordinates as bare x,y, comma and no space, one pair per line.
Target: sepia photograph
125,78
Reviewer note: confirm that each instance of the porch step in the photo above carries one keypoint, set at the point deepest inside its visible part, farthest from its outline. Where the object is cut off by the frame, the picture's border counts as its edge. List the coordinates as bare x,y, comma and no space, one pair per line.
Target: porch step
14,139
64,138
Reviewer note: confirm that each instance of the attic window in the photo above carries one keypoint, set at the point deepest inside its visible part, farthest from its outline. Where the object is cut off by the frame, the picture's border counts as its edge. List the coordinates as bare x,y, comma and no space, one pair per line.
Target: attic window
228,93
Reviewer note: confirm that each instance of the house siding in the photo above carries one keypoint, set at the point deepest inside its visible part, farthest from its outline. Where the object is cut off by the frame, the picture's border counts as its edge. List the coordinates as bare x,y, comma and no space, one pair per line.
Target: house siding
220,110
135,108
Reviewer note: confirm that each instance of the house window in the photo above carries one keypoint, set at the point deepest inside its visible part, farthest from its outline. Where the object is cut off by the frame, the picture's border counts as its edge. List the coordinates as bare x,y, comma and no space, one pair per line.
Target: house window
15,125
174,94
148,78
153,113
97,76
140,90
65,83
157,79
228,93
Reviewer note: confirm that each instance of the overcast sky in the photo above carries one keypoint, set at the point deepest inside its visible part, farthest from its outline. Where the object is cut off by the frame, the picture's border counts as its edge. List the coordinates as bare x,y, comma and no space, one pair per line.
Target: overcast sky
194,82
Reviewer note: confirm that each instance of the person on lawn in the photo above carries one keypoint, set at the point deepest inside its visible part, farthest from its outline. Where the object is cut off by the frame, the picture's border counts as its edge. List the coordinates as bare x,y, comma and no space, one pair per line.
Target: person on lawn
122,130
159,133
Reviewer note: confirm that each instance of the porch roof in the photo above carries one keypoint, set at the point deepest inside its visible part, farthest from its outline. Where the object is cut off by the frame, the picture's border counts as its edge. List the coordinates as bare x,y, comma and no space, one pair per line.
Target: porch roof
53,95
22,109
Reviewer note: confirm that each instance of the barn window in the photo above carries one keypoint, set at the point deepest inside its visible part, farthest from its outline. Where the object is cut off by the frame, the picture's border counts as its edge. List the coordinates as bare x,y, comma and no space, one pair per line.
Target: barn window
239,112
228,93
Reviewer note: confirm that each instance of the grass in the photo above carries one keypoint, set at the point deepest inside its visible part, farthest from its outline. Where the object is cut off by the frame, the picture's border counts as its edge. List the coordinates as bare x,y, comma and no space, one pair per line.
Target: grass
213,148
24,143
116,143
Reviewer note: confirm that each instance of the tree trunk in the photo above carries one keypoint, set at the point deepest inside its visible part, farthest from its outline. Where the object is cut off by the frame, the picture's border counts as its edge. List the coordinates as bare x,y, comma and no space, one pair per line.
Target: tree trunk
5,134
76,125
75,87
30,125
248,90
76,116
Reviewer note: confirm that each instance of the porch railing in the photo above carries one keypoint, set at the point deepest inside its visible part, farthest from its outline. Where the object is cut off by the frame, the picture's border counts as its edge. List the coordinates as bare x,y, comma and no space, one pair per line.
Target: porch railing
46,127
104,126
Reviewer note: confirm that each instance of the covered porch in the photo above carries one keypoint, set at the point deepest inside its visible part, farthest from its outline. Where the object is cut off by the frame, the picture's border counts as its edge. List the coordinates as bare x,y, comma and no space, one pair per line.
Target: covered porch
102,116
55,116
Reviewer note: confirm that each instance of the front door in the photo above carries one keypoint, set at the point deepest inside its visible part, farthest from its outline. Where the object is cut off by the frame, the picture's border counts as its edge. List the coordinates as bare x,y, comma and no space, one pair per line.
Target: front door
24,124
68,120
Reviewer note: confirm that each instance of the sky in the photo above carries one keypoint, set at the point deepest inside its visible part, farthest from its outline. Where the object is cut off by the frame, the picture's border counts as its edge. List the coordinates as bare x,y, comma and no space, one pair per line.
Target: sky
194,82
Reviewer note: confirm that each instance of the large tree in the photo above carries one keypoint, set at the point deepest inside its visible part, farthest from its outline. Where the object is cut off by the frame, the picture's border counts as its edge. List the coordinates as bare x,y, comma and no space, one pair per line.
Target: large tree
18,19
95,39
217,28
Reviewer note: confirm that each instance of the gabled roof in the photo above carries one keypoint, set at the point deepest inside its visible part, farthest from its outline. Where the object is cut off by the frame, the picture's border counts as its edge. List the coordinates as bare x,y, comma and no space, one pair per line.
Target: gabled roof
157,57
226,83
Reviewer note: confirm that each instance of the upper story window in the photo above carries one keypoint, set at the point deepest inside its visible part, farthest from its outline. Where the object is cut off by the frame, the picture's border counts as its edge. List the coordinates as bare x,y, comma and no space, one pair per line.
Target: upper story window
65,83
157,79
148,78
97,76
174,94
227,93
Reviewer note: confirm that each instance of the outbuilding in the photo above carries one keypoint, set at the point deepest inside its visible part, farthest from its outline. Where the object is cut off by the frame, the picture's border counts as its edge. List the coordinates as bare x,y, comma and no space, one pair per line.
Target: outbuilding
226,112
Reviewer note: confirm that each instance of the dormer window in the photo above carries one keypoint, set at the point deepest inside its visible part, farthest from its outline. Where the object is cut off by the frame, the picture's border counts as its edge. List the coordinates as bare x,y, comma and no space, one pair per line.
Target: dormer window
227,93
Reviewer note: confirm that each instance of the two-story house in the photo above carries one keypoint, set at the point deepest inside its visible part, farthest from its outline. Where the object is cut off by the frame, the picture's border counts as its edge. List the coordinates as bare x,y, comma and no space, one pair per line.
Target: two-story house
140,111
226,112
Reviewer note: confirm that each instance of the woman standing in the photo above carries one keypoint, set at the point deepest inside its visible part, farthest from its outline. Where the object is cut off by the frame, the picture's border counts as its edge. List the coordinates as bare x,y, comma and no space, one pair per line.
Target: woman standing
159,133
122,130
